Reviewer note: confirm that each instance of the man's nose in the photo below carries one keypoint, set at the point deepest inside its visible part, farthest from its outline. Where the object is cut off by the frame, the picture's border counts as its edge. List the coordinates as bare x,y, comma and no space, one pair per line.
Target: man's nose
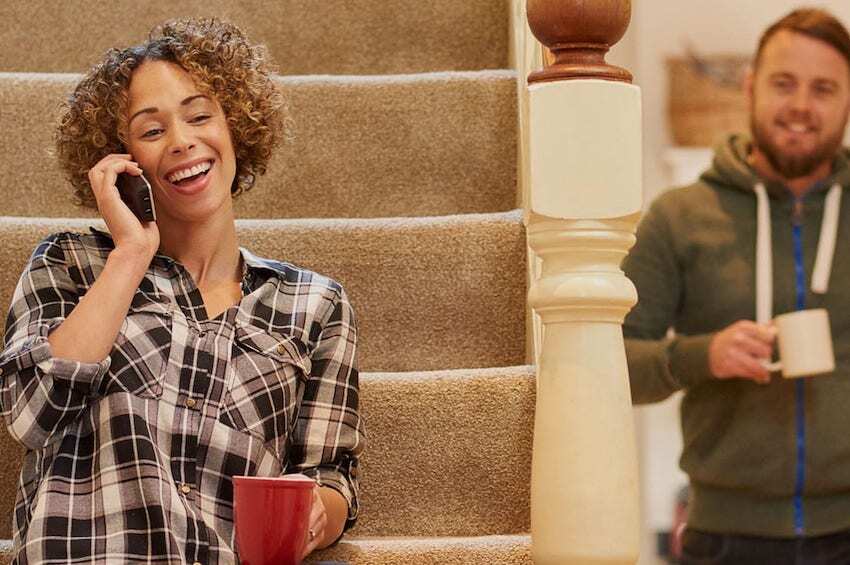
801,100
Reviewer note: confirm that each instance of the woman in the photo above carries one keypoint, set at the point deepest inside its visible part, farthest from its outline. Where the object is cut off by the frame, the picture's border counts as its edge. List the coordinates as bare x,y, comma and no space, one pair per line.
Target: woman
145,367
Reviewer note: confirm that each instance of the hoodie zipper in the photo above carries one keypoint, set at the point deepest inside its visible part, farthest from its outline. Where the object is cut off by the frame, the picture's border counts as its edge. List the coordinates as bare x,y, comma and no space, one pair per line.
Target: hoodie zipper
800,391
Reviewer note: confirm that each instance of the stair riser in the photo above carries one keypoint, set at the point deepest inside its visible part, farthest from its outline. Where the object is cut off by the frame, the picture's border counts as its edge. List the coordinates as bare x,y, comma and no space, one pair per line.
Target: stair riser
428,293
329,37
448,454
408,146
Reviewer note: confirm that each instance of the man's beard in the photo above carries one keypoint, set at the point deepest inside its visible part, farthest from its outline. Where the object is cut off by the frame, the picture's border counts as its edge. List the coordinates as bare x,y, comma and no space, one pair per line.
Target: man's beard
794,166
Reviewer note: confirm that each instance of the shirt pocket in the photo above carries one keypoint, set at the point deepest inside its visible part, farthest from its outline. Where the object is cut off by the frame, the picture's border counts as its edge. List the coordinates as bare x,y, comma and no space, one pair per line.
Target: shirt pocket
139,358
265,383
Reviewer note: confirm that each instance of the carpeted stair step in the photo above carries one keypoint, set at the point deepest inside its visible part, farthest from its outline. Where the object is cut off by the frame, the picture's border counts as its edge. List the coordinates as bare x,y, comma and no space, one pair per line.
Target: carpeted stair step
430,293
448,455
304,37
404,145
484,550
449,452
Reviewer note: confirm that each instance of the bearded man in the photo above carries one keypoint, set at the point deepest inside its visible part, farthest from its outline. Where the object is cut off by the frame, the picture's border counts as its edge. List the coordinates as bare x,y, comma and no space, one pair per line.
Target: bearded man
768,458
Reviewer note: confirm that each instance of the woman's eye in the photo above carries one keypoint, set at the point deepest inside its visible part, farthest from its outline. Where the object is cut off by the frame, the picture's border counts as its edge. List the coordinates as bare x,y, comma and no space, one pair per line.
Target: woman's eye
151,132
200,118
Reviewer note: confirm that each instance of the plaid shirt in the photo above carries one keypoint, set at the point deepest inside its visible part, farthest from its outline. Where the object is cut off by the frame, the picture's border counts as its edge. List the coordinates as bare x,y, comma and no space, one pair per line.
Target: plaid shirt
130,459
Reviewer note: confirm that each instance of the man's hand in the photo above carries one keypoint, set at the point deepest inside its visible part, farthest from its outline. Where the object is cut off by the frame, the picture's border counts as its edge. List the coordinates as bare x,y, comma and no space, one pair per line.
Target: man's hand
740,350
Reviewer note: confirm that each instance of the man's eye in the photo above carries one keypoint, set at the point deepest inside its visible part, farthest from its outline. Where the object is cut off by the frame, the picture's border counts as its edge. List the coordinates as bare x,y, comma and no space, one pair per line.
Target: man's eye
824,89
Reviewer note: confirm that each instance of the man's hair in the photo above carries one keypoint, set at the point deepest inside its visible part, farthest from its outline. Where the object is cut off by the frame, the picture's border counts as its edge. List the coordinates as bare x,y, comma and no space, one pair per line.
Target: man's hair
811,22
223,64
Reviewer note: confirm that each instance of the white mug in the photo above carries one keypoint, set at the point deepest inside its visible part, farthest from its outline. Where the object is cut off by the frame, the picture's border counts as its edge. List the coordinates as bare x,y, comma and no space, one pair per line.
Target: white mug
805,344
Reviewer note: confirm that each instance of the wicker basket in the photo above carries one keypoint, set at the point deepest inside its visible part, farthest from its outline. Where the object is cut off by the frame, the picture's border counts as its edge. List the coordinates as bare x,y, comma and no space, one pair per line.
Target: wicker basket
706,98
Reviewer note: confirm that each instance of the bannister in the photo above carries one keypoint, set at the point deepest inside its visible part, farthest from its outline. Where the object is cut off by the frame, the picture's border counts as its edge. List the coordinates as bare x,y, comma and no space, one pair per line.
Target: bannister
584,200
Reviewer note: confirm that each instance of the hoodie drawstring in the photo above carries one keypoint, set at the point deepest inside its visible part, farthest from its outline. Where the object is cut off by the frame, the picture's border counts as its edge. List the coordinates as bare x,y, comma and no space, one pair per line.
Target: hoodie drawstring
764,258
826,241
764,250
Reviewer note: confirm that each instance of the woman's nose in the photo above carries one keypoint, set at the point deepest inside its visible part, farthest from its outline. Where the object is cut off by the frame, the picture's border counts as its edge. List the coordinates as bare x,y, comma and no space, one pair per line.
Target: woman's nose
180,140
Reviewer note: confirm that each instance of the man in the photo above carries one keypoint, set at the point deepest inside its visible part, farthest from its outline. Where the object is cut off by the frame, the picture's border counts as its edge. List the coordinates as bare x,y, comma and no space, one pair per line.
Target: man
768,458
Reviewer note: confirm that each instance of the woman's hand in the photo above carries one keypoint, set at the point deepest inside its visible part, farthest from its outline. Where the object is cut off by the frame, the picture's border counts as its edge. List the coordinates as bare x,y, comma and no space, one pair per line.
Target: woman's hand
105,305
318,523
127,231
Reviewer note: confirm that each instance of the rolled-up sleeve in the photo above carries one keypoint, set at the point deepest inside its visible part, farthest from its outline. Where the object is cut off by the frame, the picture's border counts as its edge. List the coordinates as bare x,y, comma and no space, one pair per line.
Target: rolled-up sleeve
329,435
41,394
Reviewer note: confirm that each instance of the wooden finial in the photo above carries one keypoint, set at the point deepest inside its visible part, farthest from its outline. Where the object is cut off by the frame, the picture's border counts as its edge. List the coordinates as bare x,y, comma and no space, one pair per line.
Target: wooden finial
579,33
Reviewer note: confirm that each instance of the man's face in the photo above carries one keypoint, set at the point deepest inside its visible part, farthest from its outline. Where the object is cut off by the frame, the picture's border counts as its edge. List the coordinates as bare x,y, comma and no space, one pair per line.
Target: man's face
799,100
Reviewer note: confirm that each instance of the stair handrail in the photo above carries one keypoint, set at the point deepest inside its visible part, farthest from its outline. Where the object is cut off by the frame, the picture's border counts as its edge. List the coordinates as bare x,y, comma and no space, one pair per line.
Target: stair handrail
580,171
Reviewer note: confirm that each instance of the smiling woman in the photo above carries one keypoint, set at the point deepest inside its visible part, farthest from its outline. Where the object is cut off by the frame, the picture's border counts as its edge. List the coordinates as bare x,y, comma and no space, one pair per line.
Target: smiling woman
146,367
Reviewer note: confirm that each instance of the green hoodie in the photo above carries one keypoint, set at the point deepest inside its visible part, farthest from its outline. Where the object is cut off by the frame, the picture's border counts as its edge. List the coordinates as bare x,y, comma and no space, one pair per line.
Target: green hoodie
769,460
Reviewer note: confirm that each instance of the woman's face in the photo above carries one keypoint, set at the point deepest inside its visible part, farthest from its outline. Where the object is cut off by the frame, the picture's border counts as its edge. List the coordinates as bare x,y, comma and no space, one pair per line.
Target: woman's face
179,137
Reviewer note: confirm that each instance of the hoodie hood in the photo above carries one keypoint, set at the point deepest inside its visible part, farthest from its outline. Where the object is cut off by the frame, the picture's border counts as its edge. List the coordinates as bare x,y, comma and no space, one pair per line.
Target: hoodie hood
731,169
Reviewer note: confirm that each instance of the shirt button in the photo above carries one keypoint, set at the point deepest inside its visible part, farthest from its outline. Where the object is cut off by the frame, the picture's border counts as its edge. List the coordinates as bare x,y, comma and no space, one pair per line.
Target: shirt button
281,349
185,489
196,563
190,403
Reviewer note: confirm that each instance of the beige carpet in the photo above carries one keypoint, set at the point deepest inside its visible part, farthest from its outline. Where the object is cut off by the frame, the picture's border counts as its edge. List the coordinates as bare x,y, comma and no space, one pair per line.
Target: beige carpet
303,36
412,145
429,293
485,550
411,183
448,454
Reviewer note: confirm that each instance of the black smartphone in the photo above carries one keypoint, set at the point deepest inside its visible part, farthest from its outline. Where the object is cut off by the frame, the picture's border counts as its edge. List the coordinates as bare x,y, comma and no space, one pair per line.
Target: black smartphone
135,191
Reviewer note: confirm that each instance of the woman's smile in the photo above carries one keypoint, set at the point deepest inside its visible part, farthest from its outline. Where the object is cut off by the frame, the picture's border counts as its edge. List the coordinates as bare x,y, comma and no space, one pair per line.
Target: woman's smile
190,178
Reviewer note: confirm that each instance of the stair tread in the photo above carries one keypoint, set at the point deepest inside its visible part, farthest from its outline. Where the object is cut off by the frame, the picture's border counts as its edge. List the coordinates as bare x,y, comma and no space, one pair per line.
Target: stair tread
429,144
353,550
484,550
334,36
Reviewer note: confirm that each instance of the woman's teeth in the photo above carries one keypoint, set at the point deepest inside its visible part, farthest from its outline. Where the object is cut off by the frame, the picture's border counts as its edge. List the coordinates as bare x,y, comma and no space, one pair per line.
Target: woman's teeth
190,172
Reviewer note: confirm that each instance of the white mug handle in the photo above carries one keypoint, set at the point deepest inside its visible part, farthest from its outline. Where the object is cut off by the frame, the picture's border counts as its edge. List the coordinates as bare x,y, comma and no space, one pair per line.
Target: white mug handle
775,366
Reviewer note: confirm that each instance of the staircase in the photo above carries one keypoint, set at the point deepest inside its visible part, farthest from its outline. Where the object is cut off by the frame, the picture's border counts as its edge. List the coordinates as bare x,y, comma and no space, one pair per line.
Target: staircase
399,179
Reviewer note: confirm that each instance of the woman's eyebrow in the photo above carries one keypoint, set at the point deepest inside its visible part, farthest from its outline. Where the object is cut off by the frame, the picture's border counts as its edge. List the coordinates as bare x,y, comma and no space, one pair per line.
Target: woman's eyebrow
190,99
154,109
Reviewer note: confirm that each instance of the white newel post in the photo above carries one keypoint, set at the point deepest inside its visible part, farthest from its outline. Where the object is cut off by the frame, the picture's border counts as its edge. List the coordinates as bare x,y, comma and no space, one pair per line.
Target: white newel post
583,207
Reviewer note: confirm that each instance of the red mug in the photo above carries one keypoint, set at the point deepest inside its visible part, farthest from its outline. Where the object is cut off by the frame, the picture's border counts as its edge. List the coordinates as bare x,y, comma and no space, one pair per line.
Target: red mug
271,516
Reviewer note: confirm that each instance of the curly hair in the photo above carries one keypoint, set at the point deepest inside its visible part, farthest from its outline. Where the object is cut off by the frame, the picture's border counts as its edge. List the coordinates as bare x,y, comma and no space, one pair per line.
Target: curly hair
223,64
